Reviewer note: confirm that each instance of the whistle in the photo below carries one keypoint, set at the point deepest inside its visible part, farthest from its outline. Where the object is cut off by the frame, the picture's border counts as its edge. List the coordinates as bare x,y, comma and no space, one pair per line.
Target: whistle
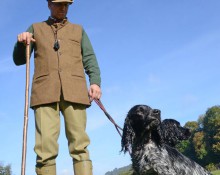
56,45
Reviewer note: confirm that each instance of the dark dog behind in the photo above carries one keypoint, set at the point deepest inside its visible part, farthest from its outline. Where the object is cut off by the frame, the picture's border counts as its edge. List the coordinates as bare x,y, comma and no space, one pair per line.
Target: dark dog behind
152,144
173,133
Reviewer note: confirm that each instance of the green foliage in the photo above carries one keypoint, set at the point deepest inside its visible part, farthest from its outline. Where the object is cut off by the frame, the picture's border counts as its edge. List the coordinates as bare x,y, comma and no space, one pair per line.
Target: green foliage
204,144
216,173
211,167
200,121
5,170
183,146
212,133
187,147
121,171
199,145
126,173
192,125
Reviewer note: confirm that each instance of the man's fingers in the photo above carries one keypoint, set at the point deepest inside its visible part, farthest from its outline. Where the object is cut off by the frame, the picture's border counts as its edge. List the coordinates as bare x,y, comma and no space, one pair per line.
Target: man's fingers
95,92
26,38
30,40
33,40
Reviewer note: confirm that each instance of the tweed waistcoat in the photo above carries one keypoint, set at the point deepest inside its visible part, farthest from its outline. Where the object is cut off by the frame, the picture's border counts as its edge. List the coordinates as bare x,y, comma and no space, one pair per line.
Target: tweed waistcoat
59,70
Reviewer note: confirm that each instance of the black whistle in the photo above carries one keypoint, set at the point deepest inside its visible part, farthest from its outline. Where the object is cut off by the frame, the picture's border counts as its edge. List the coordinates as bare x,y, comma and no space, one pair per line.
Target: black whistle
56,45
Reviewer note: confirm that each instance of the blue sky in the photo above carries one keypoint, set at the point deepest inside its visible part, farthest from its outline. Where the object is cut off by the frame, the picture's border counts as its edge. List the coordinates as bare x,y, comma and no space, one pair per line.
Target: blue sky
161,53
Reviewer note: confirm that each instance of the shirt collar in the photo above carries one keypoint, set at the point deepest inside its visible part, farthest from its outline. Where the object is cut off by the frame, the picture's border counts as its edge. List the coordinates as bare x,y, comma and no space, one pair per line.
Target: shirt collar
52,20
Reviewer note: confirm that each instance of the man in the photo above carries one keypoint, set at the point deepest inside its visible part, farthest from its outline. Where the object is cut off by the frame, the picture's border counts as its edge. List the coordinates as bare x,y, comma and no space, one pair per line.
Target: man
62,51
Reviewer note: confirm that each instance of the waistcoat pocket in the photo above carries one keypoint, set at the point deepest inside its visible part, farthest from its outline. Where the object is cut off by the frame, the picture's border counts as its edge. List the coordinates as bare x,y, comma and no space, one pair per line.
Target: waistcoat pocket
40,76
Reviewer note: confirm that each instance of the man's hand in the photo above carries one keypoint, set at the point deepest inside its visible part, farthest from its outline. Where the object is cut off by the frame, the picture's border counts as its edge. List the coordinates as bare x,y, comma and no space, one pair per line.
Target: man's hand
26,38
95,92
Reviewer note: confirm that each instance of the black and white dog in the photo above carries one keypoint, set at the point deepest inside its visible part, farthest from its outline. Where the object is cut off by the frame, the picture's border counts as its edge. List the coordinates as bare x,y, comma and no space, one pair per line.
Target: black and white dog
151,142
173,133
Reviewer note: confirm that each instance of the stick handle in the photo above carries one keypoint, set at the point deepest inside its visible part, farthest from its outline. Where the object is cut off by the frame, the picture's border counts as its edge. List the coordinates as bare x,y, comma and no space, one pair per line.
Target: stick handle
24,146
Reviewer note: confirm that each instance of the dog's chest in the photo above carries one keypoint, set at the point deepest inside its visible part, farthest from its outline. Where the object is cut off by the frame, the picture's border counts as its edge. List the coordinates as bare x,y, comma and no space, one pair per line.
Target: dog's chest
143,159
154,160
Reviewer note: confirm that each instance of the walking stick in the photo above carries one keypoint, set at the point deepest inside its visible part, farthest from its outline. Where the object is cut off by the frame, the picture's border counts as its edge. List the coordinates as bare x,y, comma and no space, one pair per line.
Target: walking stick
24,147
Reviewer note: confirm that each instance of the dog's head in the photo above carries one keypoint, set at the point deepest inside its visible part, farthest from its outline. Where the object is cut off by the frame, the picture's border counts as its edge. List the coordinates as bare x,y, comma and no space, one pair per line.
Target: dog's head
173,132
140,120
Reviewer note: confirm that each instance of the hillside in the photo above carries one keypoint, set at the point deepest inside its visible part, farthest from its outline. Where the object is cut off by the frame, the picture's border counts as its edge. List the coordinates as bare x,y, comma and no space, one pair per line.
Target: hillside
120,171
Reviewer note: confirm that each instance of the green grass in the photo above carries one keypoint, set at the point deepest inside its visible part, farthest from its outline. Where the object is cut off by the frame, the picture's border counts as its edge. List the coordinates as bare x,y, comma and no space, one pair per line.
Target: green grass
216,172
213,173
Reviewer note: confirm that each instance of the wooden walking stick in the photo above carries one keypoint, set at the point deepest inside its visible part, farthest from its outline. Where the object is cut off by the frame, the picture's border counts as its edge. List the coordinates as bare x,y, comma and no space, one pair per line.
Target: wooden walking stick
24,147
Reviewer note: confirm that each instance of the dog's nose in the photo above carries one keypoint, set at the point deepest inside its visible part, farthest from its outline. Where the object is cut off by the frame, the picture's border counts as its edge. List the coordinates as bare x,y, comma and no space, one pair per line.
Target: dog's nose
156,111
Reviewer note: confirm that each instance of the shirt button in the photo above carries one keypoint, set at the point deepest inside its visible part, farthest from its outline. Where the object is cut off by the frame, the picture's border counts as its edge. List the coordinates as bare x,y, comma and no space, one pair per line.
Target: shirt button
60,70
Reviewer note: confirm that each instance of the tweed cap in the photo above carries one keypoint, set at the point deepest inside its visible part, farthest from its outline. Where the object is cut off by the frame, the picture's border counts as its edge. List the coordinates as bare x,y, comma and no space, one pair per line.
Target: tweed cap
70,1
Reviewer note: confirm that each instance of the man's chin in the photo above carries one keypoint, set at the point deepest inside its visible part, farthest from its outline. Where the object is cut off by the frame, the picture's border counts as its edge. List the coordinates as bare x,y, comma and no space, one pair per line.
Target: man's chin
60,16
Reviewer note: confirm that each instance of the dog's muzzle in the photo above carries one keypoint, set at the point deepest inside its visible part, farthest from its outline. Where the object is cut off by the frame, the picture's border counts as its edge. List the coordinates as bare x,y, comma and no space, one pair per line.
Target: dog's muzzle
155,117
156,113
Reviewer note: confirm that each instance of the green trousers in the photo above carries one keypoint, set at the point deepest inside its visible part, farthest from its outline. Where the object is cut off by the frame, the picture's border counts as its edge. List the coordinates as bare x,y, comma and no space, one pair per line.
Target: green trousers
47,121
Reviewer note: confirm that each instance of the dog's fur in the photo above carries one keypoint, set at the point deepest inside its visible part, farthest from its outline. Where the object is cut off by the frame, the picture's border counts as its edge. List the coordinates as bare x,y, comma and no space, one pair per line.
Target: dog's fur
151,142
173,133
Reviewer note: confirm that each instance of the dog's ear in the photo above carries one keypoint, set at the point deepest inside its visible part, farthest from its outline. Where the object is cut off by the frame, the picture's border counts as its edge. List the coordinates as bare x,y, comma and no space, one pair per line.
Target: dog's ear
127,136
158,135
169,129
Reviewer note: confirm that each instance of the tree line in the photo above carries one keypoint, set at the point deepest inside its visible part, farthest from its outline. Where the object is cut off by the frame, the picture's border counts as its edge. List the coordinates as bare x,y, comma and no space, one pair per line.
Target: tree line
204,143
5,169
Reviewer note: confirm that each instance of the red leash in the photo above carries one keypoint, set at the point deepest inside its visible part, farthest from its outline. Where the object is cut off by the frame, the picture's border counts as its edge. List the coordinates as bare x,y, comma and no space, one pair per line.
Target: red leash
118,128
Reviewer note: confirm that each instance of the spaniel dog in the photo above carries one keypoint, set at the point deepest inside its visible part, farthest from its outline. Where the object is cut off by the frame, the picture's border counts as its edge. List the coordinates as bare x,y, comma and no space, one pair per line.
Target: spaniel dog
151,143
173,133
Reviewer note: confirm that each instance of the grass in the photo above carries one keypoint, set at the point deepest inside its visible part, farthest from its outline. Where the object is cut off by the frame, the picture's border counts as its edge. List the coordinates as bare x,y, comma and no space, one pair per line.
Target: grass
216,172
213,173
